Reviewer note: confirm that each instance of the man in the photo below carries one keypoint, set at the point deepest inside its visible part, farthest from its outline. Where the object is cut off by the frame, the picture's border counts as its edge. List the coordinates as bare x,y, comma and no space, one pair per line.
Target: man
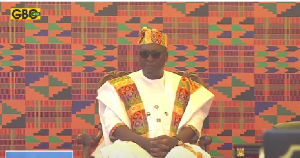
152,112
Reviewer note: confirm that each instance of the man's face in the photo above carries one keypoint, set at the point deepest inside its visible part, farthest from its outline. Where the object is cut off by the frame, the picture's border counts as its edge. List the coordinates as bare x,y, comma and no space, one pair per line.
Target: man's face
153,58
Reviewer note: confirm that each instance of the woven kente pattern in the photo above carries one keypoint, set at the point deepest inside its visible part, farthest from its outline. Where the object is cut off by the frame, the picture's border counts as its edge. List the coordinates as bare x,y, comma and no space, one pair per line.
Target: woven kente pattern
247,54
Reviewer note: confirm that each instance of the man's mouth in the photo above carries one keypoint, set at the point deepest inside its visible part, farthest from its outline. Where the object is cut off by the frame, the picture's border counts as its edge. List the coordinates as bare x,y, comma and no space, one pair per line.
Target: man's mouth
150,65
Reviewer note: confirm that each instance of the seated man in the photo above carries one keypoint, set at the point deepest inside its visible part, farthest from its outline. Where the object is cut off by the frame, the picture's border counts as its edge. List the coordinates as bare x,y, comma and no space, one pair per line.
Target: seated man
152,112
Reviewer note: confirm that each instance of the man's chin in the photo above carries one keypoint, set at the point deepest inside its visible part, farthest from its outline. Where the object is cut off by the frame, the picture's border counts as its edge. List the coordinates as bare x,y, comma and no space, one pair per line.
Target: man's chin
149,73
149,70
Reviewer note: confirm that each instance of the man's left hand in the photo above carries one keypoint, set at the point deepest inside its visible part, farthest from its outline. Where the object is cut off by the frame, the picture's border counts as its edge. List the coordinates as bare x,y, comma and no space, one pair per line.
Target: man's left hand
162,145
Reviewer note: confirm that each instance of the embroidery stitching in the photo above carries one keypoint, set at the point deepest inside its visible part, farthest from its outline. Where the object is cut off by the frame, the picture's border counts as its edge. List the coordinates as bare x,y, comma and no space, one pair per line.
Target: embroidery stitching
114,128
195,129
197,154
101,140
186,87
128,93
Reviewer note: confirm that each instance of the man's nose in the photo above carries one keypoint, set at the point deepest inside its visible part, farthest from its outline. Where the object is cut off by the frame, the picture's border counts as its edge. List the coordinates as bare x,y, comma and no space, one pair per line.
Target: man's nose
150,58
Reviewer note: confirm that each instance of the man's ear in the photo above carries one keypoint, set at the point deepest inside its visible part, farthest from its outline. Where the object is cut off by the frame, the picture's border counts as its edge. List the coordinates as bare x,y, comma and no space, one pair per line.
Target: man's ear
167,56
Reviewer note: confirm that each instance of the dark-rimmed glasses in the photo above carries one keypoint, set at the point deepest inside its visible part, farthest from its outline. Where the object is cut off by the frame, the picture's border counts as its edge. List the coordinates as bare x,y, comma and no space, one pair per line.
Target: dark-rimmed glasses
145,54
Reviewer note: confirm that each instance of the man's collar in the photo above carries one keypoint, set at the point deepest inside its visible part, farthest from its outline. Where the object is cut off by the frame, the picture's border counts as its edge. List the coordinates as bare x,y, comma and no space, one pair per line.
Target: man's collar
160,81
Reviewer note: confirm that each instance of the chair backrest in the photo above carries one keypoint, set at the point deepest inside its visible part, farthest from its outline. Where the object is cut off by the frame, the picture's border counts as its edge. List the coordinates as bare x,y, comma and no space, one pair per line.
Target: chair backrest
114,74
191,75
111,75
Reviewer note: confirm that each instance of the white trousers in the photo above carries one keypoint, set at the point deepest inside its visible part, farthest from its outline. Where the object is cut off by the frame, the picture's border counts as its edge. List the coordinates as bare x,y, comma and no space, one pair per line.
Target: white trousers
122,149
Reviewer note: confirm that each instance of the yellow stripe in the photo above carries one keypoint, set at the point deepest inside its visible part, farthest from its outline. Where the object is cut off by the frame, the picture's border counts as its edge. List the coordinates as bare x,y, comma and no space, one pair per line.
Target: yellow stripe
197,154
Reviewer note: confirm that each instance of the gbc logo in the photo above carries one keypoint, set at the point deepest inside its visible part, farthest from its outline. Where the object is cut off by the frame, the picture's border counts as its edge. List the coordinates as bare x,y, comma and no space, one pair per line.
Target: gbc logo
25,13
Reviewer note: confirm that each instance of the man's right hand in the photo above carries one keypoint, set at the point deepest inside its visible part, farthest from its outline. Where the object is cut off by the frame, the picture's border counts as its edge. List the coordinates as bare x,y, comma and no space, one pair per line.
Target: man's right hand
158,148
146,144
123,133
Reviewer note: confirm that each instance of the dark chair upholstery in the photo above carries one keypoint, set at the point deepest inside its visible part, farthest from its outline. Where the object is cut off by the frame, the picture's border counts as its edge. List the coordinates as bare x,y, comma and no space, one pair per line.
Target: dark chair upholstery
90,142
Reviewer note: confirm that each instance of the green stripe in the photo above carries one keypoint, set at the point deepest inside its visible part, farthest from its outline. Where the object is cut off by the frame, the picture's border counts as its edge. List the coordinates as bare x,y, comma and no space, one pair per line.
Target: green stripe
241,118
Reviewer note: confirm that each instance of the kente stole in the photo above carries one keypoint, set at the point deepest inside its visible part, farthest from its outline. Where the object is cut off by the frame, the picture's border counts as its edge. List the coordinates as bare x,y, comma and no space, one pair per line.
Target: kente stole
128,93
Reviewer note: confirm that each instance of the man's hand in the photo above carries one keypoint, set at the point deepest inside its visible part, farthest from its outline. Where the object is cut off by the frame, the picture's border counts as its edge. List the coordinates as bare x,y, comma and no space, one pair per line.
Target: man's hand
166,140
158,149
160,146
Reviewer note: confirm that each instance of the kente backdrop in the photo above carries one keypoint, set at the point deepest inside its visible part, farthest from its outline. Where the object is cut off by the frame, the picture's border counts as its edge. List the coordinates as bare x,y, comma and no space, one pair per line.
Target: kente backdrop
247,53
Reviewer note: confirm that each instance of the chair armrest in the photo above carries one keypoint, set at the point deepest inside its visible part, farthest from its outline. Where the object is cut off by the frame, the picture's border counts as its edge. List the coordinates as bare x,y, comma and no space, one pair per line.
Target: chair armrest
89,142
85,140
204,141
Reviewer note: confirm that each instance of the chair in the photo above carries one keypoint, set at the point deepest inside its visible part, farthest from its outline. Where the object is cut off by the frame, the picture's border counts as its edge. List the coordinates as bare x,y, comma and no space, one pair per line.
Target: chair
89,141
294,125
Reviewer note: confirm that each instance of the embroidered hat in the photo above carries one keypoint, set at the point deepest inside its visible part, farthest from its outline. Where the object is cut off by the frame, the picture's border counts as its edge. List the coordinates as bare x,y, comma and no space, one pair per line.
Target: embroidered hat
148,36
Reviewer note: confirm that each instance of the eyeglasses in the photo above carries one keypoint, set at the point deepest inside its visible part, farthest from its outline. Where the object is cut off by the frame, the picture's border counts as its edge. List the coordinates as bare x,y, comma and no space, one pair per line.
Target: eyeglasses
145,54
